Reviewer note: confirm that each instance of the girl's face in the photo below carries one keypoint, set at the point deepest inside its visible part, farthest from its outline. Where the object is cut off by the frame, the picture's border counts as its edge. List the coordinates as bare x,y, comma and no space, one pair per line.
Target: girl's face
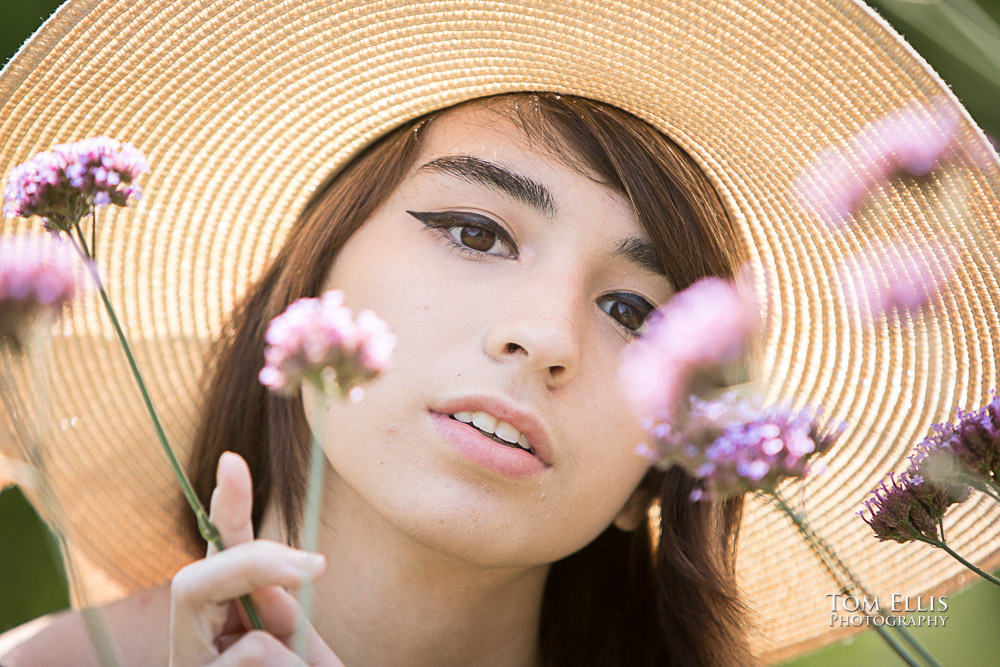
512,282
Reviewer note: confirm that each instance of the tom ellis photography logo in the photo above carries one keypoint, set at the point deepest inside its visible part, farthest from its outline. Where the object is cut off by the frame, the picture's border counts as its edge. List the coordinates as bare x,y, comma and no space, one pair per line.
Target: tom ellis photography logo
896,611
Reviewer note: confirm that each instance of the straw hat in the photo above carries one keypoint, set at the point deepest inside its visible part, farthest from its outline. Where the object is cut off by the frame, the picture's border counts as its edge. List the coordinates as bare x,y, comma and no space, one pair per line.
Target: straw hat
245,107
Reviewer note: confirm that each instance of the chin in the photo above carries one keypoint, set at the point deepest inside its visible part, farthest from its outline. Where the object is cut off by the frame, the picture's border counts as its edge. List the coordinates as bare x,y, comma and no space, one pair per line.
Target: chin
464,523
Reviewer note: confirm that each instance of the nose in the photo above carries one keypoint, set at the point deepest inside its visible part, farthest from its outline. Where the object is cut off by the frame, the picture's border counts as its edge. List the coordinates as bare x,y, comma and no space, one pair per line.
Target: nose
543,332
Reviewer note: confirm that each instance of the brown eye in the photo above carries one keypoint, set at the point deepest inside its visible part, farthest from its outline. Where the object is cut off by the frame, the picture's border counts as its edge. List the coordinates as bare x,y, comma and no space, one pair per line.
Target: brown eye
476,238
475,234
626,315
629,310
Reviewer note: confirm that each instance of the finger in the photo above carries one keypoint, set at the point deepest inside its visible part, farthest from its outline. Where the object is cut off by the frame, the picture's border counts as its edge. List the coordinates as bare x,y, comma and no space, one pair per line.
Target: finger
231,509
258,648
279,611
284,618
241,569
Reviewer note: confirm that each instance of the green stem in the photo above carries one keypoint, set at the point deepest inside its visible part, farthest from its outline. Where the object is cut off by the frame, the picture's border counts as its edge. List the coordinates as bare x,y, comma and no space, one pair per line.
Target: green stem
106,652
898,648
208,531
847,581
951,552
310,525
990,488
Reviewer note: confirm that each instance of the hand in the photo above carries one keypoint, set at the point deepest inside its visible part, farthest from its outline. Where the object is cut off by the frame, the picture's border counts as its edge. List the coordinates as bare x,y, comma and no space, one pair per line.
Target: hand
207,623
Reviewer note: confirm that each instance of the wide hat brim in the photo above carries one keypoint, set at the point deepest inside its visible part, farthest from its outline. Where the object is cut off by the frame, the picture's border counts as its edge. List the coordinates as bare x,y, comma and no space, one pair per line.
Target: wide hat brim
245,108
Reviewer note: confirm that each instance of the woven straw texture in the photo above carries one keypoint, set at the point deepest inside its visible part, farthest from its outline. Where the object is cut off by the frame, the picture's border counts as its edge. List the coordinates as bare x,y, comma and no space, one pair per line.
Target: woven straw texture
244,108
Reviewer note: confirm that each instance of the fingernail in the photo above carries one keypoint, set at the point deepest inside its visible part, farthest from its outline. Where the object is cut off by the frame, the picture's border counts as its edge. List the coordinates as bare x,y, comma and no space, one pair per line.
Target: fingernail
310,563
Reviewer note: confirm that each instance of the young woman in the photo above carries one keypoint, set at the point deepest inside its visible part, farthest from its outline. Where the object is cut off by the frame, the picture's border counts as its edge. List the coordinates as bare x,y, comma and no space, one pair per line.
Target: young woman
515,244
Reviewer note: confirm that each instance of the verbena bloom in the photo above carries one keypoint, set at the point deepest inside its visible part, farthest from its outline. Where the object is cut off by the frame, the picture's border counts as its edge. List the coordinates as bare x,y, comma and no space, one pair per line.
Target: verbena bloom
895,276
969,446
319,340
38,276
911,140
733,445
699,328
65,183
896,511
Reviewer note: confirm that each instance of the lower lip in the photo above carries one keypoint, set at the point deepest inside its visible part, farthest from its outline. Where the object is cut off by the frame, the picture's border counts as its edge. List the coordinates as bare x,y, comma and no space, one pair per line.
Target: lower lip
511,462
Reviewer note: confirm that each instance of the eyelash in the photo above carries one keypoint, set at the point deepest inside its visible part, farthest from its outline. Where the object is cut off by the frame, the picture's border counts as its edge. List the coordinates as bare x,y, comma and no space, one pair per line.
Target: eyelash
447,222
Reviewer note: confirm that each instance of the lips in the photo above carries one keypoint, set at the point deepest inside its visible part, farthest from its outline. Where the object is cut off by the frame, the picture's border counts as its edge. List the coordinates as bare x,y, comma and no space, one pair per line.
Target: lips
492,432
494,428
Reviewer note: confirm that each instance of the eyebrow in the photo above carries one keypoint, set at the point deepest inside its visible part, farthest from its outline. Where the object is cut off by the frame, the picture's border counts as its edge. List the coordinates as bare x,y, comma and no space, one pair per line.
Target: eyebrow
516,186
641,252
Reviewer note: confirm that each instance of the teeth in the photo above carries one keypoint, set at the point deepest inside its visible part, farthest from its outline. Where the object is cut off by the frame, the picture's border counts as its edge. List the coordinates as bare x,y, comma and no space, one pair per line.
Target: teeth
506,432
487,423
484,422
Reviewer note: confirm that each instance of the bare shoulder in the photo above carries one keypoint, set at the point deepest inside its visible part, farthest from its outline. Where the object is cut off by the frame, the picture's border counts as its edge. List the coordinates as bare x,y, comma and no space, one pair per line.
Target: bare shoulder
138,626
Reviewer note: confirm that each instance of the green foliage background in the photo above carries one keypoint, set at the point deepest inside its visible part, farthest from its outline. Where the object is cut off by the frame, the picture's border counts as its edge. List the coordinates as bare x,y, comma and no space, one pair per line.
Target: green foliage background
961,41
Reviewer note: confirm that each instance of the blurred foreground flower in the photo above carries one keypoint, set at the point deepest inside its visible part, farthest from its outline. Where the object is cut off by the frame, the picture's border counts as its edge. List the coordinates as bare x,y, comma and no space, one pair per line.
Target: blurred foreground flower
319,340
732,445
700,329
38,276
64,184
911,140
729,445
897,276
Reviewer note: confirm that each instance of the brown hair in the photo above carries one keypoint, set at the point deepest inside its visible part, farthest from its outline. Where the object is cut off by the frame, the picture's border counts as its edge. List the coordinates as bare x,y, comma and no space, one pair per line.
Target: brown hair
655,596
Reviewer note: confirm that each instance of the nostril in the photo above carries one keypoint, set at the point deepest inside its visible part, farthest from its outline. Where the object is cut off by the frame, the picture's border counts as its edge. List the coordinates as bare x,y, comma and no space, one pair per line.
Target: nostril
557,371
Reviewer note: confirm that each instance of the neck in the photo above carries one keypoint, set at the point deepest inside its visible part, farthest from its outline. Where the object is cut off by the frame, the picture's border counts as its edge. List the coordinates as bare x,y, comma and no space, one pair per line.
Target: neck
387,599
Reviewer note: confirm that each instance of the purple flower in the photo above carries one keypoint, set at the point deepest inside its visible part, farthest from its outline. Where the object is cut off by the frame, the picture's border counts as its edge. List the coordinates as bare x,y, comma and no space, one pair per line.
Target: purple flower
733,445
64,184
900,276
319,340
911,140
964,450
38,275
898,511
698,330
943,469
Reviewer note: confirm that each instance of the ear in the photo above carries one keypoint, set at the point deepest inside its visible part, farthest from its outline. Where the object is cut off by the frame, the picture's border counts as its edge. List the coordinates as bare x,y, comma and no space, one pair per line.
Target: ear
633,514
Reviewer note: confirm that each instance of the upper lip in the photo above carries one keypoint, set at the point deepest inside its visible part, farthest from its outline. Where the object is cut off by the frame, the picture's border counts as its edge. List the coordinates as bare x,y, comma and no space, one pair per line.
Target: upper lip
518,416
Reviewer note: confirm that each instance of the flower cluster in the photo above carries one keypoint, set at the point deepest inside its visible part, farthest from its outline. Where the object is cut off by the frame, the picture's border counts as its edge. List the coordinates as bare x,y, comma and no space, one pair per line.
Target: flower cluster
897,512
910,141
733,445
699,329
944,468
969,447
64,184
38,275
910,507
320,341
